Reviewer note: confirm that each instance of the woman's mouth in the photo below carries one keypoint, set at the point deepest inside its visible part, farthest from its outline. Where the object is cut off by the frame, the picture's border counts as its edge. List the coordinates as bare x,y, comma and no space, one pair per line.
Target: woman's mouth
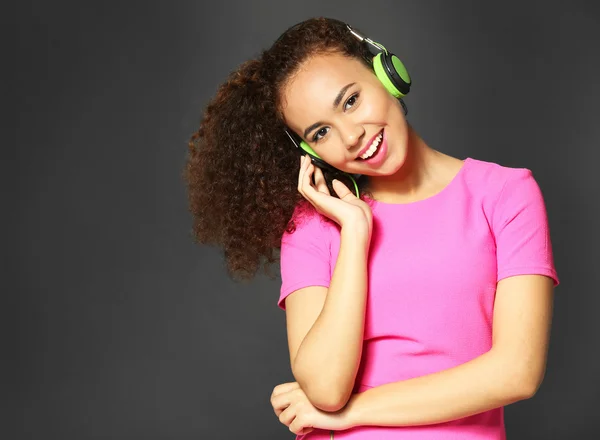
379,145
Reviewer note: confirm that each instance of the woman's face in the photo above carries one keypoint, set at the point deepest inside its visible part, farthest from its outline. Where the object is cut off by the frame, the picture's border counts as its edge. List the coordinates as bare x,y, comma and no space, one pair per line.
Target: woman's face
338,133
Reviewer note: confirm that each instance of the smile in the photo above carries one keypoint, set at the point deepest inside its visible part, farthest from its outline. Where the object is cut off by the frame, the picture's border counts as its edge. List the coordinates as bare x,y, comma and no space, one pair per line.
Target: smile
372,148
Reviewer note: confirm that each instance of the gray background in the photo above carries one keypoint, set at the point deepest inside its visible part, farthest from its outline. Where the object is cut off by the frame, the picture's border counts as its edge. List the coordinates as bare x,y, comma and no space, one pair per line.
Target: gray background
123,328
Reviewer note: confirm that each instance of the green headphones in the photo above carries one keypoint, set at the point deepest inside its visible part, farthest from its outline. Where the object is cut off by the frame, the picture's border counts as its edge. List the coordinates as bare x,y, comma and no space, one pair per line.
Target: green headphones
394,77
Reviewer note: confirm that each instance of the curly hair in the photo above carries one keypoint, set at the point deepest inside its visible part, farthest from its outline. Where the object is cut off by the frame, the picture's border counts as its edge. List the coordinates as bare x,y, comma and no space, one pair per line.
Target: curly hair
242,169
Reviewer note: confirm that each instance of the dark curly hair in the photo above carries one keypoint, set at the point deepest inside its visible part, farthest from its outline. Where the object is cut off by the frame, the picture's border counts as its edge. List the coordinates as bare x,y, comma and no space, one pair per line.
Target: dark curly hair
242,169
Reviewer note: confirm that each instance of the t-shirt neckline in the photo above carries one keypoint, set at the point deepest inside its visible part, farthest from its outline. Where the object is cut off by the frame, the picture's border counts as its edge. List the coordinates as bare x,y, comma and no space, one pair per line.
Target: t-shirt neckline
433,197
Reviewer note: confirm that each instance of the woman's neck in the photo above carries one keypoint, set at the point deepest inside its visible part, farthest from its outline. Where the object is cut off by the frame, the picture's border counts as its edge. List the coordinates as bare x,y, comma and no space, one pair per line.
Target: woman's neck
415,177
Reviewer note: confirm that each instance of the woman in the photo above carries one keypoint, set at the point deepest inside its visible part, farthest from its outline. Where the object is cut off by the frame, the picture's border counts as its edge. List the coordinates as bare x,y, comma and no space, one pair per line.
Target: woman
417,286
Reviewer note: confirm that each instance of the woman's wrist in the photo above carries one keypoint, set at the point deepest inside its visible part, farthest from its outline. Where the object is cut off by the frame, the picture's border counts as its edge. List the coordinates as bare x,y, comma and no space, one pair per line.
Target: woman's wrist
357,231
348,414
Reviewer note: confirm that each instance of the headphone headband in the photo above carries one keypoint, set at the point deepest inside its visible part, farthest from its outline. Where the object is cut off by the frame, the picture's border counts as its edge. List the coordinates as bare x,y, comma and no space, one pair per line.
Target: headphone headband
374,47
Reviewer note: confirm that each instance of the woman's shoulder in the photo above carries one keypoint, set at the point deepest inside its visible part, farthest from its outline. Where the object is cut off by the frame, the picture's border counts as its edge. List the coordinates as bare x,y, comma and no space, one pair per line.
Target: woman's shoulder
503,190
307,220
491,177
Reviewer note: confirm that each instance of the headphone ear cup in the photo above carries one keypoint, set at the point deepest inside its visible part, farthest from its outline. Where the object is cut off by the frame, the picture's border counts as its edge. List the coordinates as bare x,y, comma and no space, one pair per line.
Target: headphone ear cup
309,149
392,74
315,158
398,72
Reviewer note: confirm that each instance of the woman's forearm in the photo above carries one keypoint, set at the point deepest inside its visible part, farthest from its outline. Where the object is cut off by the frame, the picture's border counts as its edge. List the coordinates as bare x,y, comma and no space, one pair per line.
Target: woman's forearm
329,356
486,382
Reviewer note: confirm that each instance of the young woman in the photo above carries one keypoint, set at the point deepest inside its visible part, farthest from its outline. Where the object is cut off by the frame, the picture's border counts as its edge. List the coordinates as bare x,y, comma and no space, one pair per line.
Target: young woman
417,286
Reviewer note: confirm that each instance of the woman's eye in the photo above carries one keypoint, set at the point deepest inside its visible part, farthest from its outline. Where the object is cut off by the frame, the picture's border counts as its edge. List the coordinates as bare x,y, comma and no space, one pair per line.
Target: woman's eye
352,100
321,132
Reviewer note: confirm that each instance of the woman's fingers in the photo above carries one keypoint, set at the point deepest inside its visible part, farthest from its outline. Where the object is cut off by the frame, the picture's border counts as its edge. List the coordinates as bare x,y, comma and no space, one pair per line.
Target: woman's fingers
280,397
313,194
320,182
343,191
305,185
301,174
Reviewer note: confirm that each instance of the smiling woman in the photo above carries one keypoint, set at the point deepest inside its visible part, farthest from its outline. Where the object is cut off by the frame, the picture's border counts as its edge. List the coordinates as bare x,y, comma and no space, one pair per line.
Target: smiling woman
368,111
418,304
390,74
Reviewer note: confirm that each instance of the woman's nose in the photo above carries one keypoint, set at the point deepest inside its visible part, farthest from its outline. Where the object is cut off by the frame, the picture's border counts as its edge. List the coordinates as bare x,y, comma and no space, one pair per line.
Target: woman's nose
352,134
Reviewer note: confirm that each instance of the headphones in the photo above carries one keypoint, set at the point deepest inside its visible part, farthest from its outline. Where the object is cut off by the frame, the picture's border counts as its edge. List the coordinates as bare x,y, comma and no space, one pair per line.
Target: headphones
394,77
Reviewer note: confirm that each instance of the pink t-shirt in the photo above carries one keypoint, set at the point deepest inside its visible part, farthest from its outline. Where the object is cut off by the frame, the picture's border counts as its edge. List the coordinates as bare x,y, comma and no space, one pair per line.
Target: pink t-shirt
433,267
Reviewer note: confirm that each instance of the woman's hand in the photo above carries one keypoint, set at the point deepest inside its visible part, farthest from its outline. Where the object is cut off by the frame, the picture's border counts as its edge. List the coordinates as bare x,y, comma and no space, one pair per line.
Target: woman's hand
296,412
348,209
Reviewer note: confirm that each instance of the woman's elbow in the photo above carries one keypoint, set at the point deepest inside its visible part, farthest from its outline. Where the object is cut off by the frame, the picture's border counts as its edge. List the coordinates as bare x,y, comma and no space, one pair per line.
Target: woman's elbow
530,387
327,398
527,382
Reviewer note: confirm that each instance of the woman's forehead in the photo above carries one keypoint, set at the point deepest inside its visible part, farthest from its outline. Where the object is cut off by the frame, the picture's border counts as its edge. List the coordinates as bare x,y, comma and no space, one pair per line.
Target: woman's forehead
324,70
317,83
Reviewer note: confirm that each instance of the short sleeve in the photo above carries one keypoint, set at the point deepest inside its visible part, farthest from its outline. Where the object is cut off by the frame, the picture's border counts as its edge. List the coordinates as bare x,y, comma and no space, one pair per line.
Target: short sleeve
305,257
520,227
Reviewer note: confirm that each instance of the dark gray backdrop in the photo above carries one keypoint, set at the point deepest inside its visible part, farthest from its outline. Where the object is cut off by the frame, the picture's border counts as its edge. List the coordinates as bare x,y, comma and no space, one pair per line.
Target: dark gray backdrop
124,329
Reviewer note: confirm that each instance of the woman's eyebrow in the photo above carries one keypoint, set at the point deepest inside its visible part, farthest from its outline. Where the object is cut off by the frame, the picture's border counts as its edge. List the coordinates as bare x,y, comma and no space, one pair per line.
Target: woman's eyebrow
336,102
340,95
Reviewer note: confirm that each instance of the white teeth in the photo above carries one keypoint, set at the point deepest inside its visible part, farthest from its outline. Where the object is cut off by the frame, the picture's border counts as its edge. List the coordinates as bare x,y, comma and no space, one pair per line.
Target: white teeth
373,148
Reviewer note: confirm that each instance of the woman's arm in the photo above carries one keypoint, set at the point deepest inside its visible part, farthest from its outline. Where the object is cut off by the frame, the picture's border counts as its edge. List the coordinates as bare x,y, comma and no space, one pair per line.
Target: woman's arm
329,350
512,370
